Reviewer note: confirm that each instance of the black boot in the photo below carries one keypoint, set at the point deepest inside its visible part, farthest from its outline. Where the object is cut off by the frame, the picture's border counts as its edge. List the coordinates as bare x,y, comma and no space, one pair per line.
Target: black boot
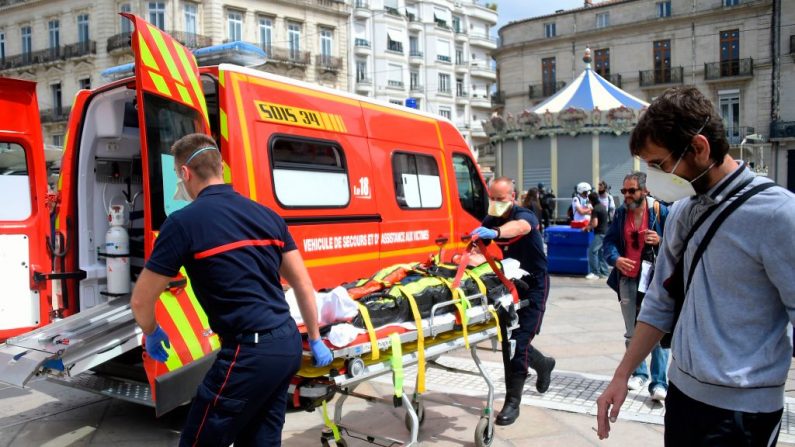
543,367
514,384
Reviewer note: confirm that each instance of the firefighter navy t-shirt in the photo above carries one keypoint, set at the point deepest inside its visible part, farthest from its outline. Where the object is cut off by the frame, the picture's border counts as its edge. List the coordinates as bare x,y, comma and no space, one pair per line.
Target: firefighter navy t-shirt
528,249
231,248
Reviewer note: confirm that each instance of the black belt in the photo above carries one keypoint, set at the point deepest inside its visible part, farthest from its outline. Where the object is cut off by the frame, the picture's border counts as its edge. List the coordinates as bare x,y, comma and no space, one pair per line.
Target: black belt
251,337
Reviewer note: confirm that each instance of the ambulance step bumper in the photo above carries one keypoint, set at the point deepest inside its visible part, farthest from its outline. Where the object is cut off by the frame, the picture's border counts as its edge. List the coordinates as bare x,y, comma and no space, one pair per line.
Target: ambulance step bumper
128,390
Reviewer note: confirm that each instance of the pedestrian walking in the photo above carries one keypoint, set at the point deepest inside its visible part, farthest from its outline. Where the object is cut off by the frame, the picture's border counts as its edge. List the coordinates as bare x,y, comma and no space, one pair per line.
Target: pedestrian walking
234,251
597,267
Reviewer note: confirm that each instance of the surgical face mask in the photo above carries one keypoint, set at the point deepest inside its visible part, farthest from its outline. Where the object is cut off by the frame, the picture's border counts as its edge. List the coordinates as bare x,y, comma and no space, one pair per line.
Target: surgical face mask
498,208
668,186
182,193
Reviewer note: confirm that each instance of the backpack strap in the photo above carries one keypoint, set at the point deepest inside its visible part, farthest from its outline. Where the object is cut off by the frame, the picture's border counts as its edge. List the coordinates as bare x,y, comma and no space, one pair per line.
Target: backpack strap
702,246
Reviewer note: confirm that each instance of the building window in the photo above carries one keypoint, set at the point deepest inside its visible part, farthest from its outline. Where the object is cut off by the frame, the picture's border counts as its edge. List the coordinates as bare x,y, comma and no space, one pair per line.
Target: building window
157,14
603,20
234,22
662,61
444,83
414,46
414,80
395,76
664,9
2,47
302,167
57,140
26,43
396,102
416,179
459,88
602,62
82,29
191,24
459,56
457,24
85,84
394,41
445,112
55,34
730,112
549,30
730,52
443,50
125,24
326,41
548,76
361,70
731,2
266,34
57,102
294,40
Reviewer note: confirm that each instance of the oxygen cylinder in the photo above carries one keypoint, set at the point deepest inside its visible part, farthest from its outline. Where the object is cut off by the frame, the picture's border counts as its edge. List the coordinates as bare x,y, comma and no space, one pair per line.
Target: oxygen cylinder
117,249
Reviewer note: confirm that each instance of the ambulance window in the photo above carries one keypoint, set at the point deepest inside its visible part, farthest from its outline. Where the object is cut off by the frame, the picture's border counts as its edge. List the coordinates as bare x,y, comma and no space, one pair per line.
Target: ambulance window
417,183
471,192
14,183
309,173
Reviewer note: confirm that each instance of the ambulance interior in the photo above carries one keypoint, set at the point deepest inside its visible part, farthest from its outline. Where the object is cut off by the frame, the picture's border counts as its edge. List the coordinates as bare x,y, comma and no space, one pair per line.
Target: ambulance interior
110,172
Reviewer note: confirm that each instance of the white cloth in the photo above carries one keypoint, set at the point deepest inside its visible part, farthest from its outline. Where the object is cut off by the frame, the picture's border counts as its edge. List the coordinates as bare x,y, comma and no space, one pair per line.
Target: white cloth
332,306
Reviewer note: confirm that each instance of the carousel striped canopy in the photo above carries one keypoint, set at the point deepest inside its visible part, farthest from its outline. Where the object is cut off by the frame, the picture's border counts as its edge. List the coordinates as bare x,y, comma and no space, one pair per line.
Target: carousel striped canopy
588,91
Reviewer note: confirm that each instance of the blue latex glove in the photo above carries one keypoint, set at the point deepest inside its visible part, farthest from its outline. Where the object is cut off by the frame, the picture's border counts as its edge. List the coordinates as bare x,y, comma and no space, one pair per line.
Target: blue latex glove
320,352
155,342
484,233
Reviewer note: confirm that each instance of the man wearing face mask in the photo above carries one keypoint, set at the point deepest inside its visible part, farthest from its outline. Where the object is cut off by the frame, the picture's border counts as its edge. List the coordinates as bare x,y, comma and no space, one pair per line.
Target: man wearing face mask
516,231
234,251
730,350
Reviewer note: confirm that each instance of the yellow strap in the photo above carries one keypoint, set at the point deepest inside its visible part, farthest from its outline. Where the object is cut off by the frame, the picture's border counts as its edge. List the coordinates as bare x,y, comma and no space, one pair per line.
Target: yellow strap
496,322
462,310
476,278
330,424
420,339
374,353
397,364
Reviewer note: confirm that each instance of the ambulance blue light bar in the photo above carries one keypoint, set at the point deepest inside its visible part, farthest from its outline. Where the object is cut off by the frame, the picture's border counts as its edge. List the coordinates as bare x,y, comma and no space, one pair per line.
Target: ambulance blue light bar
238,53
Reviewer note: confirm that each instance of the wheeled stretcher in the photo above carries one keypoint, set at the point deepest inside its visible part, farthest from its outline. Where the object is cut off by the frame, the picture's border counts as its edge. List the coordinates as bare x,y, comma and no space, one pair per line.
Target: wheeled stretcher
392,348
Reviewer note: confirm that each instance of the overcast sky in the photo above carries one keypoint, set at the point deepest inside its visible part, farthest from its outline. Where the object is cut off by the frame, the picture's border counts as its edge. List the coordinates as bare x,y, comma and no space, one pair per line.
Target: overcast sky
510,10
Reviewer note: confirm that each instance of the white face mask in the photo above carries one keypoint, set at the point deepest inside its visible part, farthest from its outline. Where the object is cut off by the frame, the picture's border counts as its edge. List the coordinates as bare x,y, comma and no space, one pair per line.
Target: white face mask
182,193
497,208
668,186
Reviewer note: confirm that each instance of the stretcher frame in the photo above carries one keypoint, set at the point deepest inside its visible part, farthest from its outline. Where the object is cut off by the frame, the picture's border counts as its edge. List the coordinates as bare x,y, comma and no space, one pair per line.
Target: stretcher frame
441,338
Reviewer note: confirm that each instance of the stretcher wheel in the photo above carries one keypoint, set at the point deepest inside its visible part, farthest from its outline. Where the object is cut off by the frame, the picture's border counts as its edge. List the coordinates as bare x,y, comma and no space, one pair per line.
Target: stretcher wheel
484,433
326,442
419,408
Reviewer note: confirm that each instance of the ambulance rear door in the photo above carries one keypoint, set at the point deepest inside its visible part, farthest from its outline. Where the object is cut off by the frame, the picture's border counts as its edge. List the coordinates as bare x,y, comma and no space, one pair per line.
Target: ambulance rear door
24,217
170,105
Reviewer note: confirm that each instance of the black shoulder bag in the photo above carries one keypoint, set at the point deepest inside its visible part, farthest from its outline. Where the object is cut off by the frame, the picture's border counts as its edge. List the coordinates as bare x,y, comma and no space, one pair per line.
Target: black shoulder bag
675,284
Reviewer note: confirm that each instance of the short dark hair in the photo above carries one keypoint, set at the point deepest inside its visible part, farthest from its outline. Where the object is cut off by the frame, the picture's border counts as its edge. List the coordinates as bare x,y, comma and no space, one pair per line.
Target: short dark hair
207,164
674,118
639,177
593,197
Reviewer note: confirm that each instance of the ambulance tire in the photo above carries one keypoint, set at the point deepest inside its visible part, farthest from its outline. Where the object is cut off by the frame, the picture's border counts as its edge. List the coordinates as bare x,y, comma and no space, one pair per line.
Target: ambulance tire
484,433
419,408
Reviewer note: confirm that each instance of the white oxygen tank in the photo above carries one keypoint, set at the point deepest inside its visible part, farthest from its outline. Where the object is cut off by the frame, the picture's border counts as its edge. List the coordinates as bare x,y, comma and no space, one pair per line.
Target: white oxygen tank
117,247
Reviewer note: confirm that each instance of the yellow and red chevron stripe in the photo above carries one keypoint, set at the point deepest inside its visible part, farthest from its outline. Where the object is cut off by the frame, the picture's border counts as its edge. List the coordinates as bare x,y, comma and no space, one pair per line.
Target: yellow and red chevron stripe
165,67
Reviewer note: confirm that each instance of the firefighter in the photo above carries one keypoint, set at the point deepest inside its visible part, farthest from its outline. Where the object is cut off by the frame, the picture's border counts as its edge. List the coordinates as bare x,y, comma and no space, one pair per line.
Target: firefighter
516,231
234,251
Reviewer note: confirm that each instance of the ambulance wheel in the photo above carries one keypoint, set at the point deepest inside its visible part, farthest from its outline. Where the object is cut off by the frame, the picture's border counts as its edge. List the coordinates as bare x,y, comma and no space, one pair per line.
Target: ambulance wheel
484,433
419,408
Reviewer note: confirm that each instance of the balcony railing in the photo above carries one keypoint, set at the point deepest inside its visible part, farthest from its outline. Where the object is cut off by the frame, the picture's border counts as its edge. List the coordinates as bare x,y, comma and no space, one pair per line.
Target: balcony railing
360,4
415,53
498,98
397,47
782,129
461,94
735,135
415,88
363,80
650,78
441,58
55,115
392,11
459,30
395,84
442,24
191,40
328,63
118,41
614,79
361,43
289,56
729,69
53,54
461,63
544,89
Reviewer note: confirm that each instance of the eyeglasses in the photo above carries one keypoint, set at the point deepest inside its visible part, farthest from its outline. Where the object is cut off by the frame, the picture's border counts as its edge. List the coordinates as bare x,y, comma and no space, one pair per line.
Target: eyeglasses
635,239
629,190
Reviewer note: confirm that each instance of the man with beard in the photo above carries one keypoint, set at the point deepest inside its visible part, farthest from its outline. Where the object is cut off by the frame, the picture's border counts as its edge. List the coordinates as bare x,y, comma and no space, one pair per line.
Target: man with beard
516,231
726,262
631,242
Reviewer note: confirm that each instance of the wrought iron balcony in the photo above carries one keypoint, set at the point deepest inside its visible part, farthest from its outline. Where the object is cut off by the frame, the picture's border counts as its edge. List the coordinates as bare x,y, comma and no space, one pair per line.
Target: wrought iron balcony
55,115
191,40
544,89
782,129
735,135
396,47
119,41
498,98
360,4
394,84
415,88
614,79
289,56
325,62
80,49
731,68
392,11
48,55
650,78
442,24
461,94
441,58
415,53
361,43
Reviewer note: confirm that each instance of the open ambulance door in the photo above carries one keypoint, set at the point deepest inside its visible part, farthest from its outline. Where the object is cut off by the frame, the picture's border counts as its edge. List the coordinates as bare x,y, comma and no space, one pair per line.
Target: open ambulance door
24,216
170,105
